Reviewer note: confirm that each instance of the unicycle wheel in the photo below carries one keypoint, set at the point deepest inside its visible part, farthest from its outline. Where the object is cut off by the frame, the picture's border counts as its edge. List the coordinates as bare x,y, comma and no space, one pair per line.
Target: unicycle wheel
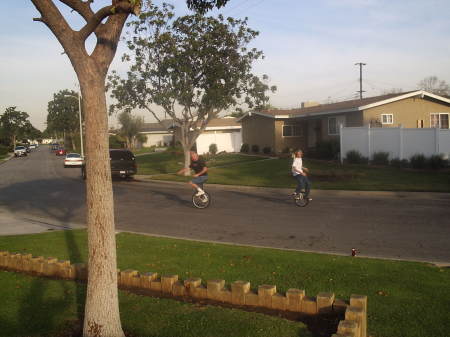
201,201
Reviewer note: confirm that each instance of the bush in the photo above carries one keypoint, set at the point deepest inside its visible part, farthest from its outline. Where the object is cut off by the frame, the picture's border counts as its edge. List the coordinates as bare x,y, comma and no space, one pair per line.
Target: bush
287,149
436,162
213,149
255,148
380,158
327,150
418,161
267,150
245,148
354,157
399,163
4,150
116,142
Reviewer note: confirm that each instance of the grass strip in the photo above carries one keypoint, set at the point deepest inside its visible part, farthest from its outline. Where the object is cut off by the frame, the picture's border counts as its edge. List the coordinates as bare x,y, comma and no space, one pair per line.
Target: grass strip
324,175
405,298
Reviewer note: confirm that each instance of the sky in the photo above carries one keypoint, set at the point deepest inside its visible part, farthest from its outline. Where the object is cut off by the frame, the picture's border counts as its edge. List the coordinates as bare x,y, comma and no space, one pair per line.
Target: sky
310,49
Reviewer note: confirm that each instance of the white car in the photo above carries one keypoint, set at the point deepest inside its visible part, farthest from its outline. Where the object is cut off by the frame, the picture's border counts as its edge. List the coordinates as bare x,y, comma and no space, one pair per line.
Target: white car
20,151
73,160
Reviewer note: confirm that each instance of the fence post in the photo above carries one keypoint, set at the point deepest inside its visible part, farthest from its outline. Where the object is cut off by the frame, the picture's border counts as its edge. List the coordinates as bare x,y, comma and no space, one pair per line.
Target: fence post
341,128
369,147
400,131
436,140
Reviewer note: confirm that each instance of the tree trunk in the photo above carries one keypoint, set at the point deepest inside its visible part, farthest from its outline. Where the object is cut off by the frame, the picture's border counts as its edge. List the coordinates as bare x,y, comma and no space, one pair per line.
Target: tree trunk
102,318
72,140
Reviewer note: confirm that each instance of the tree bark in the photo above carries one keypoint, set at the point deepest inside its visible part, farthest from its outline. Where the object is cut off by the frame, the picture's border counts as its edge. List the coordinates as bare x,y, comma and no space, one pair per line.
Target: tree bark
102,318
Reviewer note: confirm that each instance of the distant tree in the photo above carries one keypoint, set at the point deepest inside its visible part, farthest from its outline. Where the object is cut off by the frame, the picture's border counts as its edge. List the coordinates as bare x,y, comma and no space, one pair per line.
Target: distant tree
29,132
392,91
63,115
194,67
13,123
129,128
434,85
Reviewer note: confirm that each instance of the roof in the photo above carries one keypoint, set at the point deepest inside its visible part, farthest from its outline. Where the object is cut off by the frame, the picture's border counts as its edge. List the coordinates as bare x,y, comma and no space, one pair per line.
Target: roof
164,126
223,123
345,106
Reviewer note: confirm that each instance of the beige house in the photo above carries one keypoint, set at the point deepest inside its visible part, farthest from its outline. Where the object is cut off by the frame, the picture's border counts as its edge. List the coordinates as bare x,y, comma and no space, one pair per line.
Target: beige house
304,127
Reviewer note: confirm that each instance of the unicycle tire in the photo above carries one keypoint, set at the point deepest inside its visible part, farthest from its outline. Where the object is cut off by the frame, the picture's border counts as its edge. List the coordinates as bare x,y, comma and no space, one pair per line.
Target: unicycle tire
201,201
301,201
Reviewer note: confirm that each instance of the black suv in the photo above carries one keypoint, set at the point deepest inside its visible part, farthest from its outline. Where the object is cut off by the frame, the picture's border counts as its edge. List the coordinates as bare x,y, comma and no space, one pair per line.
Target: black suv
123,164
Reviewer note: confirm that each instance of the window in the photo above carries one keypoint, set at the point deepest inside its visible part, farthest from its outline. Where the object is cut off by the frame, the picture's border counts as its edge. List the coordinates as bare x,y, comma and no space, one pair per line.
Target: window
420,123
332,126
387,119
439,120
292,130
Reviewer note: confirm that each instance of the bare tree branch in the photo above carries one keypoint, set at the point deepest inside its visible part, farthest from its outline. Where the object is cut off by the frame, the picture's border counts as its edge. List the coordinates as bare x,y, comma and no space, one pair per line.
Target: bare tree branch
81,7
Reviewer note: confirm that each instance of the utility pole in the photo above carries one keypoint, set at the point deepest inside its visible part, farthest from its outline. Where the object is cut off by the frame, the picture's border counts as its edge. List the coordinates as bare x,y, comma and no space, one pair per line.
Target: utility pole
360,78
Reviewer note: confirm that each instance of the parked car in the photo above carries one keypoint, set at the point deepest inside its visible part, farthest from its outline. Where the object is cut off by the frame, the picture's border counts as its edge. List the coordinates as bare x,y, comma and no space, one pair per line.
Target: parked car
54,147
73,160
123,164
61,152
20,151
33,146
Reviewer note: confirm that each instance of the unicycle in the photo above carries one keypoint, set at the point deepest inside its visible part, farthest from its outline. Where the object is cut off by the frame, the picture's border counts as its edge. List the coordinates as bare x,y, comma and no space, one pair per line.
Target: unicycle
201,201
300,199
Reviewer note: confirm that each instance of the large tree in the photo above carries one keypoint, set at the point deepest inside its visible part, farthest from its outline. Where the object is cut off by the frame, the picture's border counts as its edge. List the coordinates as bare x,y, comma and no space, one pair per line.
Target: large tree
14,123
63,114
434,85
102,311
194,67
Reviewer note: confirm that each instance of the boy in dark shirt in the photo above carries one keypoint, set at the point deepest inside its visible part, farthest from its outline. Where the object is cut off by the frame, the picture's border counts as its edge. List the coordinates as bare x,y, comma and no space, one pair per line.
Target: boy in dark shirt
198,165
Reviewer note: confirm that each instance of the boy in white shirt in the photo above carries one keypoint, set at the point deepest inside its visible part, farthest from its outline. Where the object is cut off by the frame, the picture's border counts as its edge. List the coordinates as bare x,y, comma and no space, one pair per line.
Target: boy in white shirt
300,174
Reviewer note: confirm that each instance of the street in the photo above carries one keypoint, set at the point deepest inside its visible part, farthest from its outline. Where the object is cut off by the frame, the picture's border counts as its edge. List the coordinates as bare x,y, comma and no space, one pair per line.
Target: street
38,194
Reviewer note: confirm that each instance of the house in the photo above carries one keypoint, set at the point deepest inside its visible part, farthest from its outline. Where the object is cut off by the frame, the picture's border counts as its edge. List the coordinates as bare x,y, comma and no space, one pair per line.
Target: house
304,127
224,132
158,134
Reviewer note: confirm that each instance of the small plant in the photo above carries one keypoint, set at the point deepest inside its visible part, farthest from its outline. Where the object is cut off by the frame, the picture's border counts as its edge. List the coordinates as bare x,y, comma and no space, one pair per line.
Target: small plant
354,157
267,150
380,158
436,162
327,150
213,149
399,163
255,148
245,148
418,161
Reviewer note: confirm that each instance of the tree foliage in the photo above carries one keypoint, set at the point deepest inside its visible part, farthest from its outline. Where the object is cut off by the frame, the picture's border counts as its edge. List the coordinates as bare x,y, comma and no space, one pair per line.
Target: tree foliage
130,127
63,114
193,66
14,124
434,85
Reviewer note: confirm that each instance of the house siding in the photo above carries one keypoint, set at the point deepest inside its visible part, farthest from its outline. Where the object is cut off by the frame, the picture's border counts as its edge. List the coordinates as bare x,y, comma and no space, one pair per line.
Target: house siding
405,112
258,130
282,143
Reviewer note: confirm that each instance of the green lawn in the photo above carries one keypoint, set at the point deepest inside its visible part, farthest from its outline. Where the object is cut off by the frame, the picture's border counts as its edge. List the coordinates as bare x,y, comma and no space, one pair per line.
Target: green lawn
324,175
405,299
172,161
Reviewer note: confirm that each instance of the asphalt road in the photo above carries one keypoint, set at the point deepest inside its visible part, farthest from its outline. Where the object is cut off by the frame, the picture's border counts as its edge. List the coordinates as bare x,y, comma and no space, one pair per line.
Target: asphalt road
38,194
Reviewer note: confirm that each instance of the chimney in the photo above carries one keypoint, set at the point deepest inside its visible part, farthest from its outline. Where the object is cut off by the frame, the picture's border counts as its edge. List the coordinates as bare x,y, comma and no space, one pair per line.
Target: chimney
308,104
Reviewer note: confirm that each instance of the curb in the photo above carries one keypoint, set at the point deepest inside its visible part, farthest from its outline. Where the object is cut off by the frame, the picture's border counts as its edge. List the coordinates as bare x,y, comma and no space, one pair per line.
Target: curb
328,193
6,159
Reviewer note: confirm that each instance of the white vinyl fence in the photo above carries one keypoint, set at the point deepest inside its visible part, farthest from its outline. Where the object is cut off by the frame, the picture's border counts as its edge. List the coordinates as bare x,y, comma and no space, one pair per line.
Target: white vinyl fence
229,142
399,142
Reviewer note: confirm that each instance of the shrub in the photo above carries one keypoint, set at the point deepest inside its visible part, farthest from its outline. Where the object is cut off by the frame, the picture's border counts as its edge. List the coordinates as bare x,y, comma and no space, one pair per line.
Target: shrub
267,150
436,162
354,157
116,142
399,163
4,150
245,148
255,148
380,158
287,149
213,149
327,150
418,161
